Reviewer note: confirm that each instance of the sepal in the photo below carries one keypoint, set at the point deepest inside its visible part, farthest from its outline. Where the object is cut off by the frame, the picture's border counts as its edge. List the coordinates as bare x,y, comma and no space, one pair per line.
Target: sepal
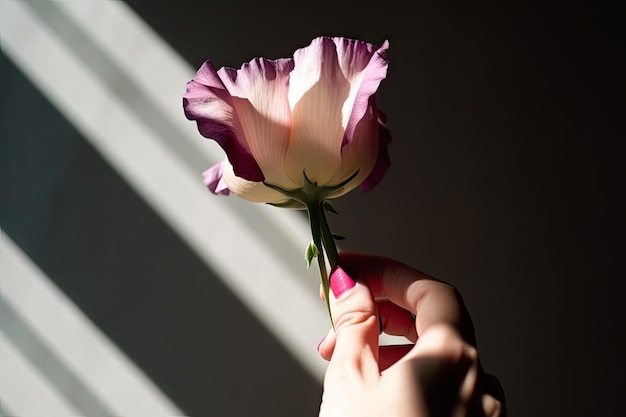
329,207
291,203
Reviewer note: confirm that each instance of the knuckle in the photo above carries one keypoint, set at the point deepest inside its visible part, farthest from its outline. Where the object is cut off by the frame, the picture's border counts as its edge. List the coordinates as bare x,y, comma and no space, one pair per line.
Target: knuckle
352,310
446,341
355,315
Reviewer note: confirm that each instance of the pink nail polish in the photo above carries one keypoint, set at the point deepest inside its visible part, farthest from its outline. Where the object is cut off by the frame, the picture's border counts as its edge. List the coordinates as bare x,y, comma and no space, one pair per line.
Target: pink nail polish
340,282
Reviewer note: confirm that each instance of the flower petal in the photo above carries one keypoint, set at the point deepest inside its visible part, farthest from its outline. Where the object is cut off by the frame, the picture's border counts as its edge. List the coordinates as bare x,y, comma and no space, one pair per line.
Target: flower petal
383,162
365,82
366,138
359,154
213,179
330,90
209,103
259,96
250,190
317,92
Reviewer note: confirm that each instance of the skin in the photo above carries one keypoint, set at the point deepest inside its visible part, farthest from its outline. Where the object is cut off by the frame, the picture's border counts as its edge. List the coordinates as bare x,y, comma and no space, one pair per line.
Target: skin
437,374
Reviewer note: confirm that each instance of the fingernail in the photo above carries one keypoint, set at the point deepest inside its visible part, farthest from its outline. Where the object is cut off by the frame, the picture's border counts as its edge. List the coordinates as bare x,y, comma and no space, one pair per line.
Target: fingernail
320,343
340,282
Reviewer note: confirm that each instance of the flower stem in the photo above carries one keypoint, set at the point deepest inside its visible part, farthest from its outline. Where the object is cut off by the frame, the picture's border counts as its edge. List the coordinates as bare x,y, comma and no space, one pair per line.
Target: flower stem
329,241
325,243
313,198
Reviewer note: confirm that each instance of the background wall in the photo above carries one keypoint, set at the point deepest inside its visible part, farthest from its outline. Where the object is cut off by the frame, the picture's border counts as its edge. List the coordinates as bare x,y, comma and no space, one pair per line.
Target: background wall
504,182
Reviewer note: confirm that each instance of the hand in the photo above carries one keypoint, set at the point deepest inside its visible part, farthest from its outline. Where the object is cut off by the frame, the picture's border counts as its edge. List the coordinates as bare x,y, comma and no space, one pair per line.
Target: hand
438,374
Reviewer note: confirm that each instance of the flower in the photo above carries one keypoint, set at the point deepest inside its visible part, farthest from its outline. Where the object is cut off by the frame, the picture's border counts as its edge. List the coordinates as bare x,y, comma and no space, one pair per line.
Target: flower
287,122
297,131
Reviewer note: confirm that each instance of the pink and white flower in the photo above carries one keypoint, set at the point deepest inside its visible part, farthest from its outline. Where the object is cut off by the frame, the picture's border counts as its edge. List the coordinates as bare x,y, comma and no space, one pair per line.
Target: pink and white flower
279,120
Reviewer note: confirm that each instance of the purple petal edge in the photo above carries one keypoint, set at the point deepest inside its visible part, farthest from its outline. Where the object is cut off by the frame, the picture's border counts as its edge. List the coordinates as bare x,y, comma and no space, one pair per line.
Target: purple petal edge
208,89
375,72
383,162
213,179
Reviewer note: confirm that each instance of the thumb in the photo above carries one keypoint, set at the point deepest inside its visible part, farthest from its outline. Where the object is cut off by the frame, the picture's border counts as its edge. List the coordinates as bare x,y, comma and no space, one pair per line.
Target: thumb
355,318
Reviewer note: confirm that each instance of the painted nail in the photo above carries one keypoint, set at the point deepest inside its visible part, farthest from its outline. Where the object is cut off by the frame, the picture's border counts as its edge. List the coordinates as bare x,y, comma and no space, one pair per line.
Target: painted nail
340,282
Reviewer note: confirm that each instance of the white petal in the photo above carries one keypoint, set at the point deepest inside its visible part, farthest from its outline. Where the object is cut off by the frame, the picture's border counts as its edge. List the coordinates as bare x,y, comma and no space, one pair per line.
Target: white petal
360,154
317,92
259,91
250,190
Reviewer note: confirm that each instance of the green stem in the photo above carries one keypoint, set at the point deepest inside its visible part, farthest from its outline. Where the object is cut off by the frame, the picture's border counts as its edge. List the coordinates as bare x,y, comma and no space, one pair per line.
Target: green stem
328,239
312,197
315,217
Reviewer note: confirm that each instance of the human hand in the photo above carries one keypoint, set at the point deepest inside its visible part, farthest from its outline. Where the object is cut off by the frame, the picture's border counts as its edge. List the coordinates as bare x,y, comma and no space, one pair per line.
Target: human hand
438,374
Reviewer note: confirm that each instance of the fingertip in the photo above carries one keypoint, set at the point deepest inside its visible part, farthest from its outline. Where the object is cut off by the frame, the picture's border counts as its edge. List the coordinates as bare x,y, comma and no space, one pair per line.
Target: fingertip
326,346
493,400
341,282
355,319
320,343
491,406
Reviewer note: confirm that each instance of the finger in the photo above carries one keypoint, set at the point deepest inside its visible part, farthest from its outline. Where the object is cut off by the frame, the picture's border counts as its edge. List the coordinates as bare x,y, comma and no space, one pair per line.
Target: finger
492,401
432,301
447,364
327,345
396,321
480,393
389,355
355,318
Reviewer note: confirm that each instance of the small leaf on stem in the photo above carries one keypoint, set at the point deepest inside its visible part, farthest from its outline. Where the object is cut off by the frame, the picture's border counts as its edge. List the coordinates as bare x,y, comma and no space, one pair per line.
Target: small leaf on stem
311,252
329,207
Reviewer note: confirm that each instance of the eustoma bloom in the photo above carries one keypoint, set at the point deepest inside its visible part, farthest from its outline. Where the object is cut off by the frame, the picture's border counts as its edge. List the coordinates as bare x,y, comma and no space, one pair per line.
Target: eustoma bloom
296,131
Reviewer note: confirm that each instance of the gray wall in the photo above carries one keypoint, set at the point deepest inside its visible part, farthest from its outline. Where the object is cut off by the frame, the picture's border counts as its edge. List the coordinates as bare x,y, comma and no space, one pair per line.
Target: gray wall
504,182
